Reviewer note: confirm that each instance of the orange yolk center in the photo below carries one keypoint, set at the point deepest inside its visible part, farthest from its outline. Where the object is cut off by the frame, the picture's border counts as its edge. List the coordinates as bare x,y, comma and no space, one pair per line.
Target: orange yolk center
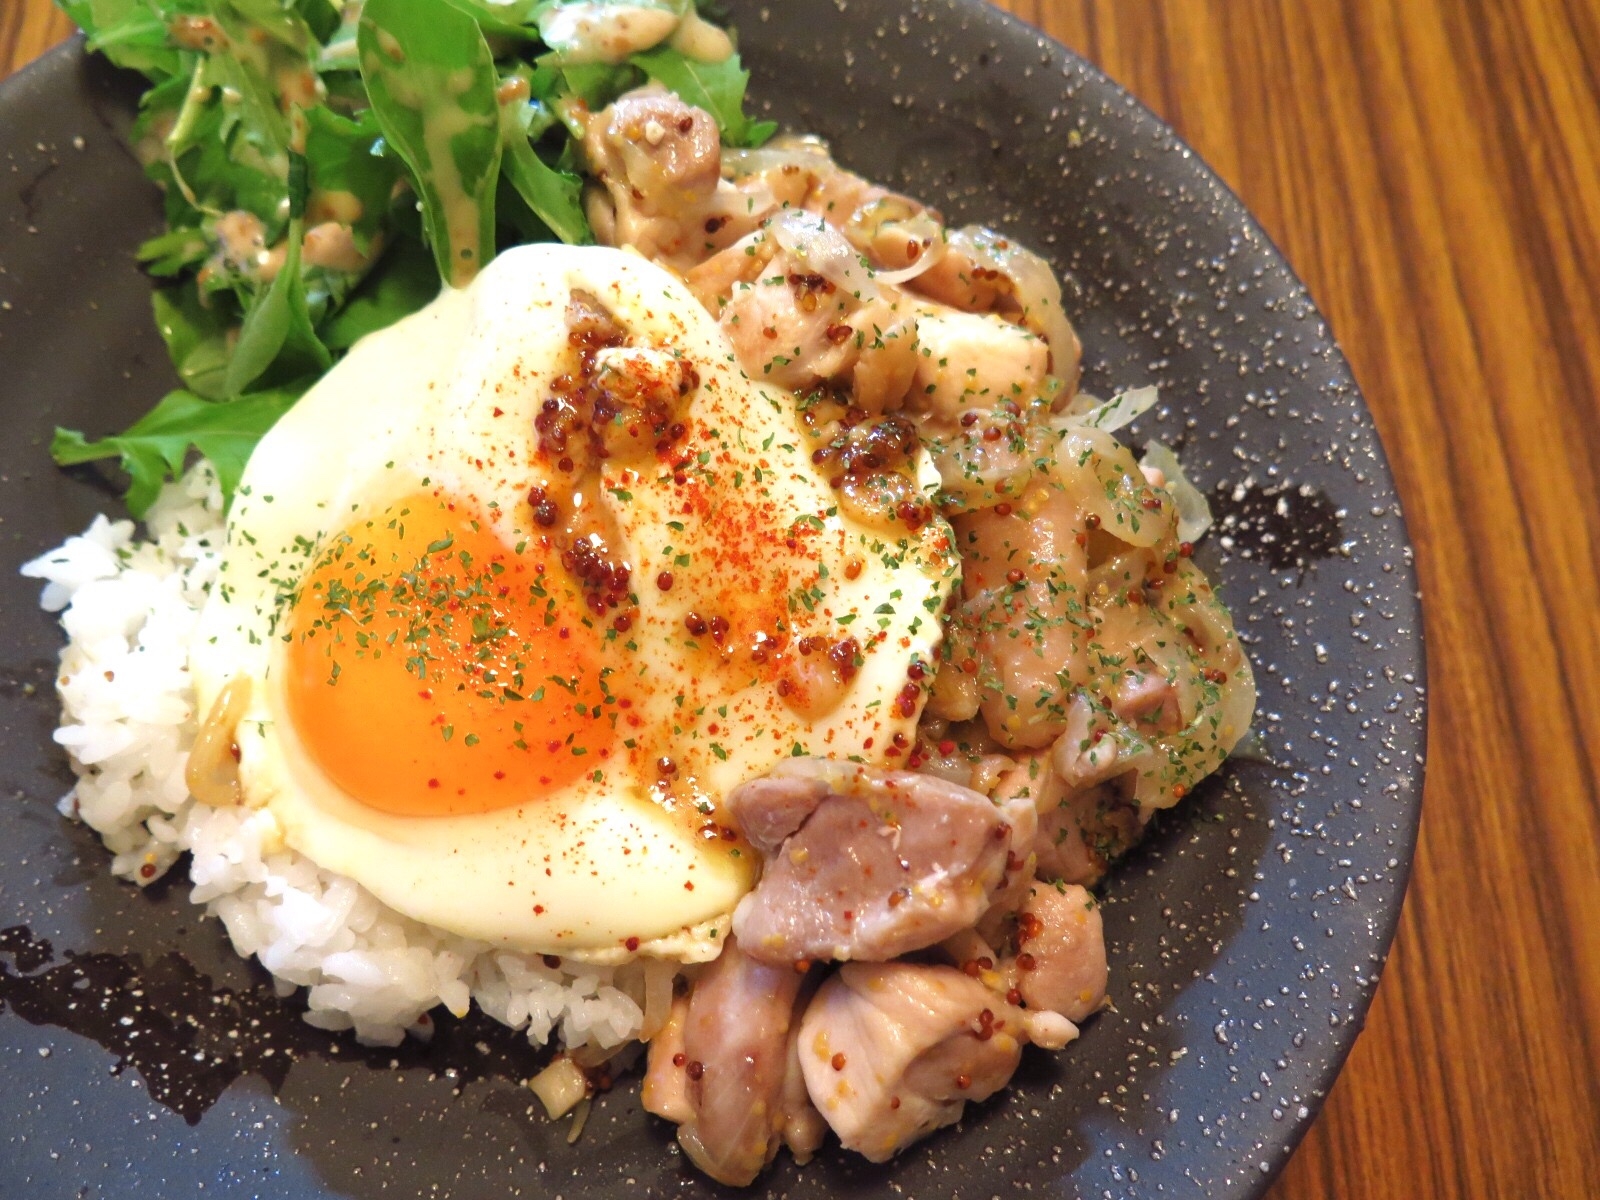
434,671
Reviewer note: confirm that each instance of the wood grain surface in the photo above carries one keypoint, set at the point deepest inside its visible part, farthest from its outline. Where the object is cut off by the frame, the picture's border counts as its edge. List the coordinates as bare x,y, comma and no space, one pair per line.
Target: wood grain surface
1432,170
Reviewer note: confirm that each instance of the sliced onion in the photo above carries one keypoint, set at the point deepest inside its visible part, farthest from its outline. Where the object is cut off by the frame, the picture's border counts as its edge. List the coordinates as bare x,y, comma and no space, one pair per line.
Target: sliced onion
897,217
823,250
1110,415
924,229
891,209
753,197
560,1086
658,976
580,1118
1194,514
976,473
1049,1030
908,273
1037,289
808,153
1103,479
212,772
754,238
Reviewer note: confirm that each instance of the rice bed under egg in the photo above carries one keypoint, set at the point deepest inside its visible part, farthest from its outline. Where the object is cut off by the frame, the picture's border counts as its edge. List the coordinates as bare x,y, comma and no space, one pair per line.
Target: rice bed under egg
129,606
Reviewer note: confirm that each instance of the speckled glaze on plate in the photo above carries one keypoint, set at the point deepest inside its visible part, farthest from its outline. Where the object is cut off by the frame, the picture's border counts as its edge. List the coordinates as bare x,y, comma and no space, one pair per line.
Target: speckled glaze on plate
1246,935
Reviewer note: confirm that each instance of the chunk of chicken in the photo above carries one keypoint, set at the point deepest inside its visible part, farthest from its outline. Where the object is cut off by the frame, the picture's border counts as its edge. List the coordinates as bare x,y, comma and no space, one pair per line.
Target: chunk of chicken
796,329
659,162
745,202
803,1127
1060,965
1016,792
956,695
1147,700
984,271
974,360
887,334
715,280
1082,832
863,863
1097,746
893,1051
1079,832
789,328
731,1093
955,279
1026,579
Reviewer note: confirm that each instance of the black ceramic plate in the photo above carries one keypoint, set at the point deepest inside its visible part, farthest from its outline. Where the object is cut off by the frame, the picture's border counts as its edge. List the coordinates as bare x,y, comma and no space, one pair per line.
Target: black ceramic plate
1246,936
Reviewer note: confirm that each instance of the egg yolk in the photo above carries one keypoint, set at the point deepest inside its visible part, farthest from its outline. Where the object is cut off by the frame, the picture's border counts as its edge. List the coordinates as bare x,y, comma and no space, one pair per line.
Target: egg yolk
434,671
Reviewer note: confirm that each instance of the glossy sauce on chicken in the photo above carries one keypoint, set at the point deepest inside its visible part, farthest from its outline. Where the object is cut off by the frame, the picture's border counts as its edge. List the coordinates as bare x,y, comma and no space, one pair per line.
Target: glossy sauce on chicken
1088,675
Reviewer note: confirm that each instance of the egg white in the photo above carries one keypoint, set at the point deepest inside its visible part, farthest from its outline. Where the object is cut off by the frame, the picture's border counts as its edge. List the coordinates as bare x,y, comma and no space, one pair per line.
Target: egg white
446,400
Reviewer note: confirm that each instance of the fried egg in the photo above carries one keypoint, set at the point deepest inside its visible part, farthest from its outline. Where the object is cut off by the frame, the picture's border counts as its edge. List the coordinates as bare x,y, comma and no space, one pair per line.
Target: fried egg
461,711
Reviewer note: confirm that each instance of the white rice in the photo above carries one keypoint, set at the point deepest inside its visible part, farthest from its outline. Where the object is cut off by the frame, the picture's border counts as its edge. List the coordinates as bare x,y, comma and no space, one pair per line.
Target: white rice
129,605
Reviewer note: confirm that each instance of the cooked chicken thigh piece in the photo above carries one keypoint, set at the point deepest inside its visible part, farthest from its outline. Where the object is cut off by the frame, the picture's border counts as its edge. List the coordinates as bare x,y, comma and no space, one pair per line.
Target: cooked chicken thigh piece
1060,964
863,863
1025,578
1081,833
893,1051
665,1091
659,164
721,1069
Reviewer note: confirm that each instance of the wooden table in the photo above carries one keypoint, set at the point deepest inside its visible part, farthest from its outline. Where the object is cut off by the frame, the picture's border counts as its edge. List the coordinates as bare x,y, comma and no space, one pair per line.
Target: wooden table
1432,170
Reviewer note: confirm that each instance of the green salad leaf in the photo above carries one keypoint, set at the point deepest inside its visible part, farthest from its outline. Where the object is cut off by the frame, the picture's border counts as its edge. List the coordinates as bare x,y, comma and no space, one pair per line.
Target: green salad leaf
552,195
403,282
154,448
327,166
197,339
716,87
350,172
130,33
432,82
277,338
504,18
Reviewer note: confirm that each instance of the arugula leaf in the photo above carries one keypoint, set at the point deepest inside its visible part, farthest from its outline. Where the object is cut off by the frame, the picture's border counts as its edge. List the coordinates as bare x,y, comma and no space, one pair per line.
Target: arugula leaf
404,281
503,18
196,338
277,331
344,159
175,251
222,156
154,448
556,197
129,33
432,82
716,87
159,108
278,21
553,195
320,16
597,84
248,101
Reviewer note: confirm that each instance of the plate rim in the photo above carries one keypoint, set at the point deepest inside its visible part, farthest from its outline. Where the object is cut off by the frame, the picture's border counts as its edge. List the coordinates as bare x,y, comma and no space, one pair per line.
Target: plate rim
46,71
